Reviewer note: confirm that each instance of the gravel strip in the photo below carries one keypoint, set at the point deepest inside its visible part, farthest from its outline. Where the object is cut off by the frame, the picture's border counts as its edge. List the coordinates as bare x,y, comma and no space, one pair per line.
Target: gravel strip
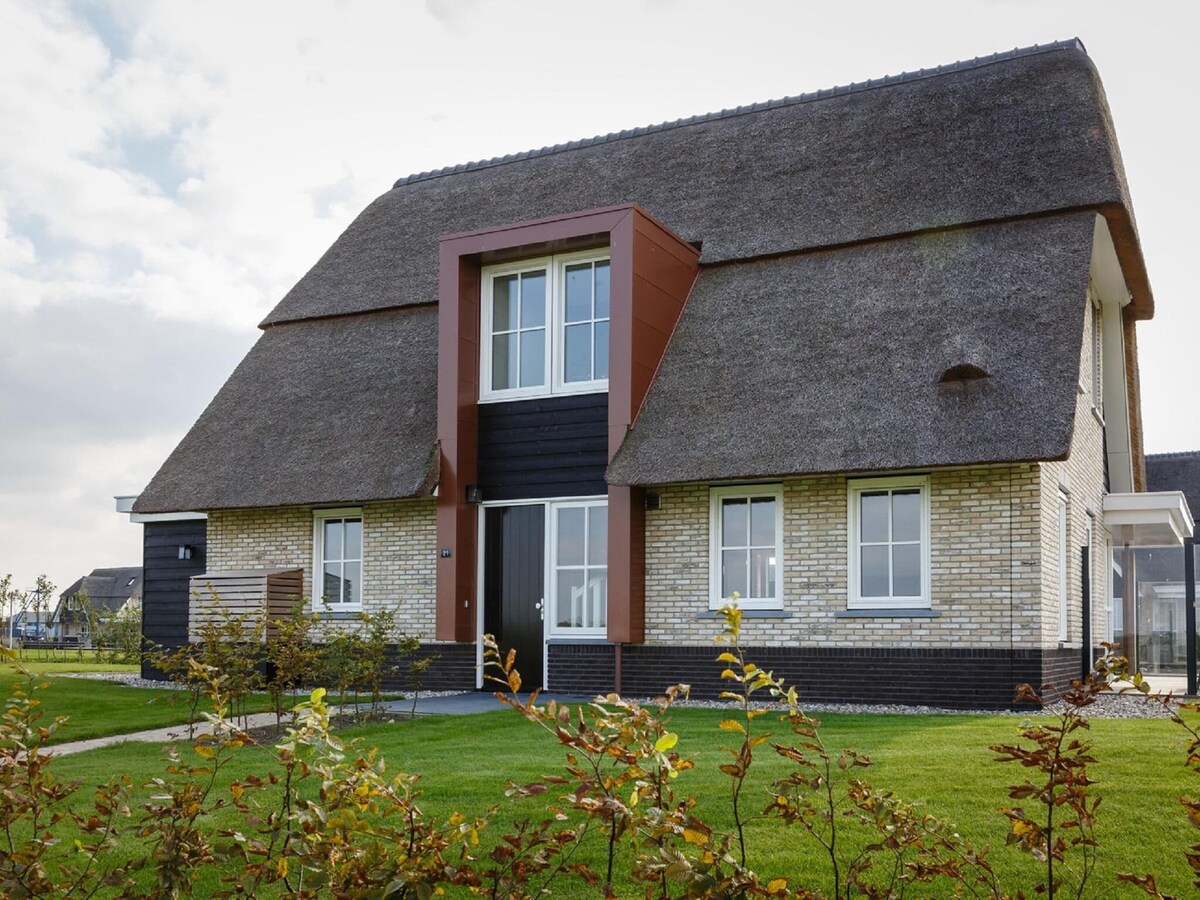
1107,706
129,679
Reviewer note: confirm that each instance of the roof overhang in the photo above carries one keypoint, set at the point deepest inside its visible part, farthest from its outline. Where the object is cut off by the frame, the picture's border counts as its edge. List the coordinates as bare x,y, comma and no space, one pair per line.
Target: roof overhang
1151,519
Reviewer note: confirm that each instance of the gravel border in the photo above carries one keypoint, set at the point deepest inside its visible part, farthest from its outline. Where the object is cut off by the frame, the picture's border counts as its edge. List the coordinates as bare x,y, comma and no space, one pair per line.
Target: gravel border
1107,706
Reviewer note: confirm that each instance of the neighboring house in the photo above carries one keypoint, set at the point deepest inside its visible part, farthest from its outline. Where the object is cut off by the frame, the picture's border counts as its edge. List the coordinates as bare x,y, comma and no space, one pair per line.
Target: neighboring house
103,594
1151,587
866,357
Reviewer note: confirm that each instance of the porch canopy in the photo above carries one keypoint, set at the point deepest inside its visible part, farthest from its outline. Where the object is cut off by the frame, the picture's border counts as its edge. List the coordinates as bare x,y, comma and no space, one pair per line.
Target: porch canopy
1149,519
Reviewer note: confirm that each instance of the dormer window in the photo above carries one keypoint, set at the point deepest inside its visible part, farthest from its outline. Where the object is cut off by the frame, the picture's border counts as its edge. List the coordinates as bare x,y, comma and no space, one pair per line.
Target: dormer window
545,326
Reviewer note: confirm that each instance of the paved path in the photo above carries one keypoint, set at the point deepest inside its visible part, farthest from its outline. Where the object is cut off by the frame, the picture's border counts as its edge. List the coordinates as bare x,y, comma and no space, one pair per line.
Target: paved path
450,705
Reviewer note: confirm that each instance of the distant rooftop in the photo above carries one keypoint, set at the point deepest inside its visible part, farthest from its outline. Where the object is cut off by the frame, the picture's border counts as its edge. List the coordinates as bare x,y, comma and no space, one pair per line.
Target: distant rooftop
823,94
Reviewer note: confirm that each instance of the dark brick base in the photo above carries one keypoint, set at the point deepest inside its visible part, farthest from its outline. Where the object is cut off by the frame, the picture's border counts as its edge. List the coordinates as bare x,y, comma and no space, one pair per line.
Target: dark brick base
950,678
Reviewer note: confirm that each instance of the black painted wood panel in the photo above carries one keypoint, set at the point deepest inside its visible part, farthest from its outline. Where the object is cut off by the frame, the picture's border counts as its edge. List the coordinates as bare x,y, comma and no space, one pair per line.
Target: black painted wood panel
548,447
165,580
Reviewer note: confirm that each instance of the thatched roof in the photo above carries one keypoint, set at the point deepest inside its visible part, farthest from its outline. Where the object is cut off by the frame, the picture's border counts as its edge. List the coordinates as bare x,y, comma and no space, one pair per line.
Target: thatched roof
833,361
982,142
853,234
336,410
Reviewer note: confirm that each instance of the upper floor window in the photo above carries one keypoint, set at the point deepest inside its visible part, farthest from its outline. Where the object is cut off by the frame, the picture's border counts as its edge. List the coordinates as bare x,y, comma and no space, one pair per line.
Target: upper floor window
545,326
889,542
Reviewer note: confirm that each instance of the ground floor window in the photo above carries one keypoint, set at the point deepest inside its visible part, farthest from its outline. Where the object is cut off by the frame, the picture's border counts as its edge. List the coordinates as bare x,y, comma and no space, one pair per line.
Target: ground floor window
337,559
579,567
747,546
888,542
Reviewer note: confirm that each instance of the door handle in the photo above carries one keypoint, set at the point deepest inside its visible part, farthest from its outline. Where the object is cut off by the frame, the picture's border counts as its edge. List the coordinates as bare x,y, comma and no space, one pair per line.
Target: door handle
540,607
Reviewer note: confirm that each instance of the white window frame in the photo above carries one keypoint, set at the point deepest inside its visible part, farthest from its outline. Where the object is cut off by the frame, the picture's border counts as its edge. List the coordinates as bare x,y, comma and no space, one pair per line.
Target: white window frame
554,630
320,516
1063,512
855,487
747,491
553,382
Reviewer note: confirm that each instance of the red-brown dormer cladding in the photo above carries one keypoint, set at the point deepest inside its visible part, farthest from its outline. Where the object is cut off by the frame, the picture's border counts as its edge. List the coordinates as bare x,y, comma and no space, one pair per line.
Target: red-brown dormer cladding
652,272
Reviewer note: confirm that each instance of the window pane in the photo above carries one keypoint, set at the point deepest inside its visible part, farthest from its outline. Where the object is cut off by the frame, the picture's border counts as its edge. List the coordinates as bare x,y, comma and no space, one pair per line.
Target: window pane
762,522
597,535
906,515
873,579
332,546
351,583
601,356
602,290
570,599
734,573
504,361
577,354
734,527
579,293
873,517
762,573
533,299
597,592
906,570
353,532
533,358
570,536
332,587
504,303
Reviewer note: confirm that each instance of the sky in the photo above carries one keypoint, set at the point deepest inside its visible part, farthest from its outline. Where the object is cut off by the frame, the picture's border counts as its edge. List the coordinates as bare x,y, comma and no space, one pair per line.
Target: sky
168,170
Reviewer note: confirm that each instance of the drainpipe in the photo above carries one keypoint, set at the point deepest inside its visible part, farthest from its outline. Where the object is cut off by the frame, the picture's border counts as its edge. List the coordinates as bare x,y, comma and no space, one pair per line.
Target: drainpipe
1189,610
1085,581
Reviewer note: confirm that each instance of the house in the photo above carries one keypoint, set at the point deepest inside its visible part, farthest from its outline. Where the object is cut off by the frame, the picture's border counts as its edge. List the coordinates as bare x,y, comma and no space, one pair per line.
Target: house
101,595
866,357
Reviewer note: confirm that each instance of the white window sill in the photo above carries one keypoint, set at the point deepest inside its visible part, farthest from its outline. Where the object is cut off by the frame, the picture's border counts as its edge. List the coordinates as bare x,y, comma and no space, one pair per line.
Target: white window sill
747,614
901,612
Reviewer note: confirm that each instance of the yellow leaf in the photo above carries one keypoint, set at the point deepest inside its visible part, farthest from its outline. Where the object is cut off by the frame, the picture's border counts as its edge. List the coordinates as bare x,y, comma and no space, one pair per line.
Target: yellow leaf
316,697
666,742
692,836
727,657
732,725
728,673
777,885
204,751
281,867
633,798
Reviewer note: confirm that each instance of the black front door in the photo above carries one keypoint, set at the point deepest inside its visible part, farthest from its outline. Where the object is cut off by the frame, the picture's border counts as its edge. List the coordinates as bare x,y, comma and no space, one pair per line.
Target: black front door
513,579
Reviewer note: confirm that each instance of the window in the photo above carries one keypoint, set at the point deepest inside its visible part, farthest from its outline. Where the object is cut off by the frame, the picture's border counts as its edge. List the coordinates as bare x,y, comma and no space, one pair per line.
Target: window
579,568
1062,566
337,559
746,524
889,543
545,326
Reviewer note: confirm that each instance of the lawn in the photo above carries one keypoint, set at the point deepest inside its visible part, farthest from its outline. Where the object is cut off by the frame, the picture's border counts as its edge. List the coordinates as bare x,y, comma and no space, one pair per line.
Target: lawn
52,662
943,761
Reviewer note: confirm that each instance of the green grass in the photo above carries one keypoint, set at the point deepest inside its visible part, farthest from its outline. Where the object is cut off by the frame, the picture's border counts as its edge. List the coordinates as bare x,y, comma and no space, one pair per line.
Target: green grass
102,708
943,761
53,662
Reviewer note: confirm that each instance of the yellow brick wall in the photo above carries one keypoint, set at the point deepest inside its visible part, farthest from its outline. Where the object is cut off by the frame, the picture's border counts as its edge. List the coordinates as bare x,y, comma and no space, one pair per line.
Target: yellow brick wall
399,545
984,535
1081,478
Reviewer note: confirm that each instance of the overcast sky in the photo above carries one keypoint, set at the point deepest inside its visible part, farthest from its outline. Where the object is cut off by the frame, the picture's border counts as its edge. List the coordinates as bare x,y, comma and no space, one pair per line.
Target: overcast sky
168,170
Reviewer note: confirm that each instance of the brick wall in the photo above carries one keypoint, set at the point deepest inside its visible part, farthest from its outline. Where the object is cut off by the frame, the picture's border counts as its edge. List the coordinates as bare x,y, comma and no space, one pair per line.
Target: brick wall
1081,478
984,534
399,547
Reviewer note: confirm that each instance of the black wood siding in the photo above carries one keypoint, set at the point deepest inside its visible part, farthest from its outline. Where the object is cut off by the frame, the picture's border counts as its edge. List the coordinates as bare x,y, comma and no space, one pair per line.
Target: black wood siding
549,447
165,580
